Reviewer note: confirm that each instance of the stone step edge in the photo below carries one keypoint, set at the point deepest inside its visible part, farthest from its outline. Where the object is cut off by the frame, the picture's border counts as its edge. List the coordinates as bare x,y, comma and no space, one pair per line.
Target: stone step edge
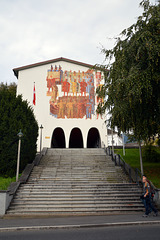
72,204
136,198
72,196
78,185
72,191
77,210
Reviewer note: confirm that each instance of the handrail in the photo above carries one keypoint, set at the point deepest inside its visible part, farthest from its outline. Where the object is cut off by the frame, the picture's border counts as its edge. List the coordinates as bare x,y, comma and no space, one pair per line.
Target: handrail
134,175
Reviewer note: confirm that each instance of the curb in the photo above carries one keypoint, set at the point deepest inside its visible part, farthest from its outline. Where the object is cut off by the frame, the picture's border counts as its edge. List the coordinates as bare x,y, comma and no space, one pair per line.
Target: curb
7,229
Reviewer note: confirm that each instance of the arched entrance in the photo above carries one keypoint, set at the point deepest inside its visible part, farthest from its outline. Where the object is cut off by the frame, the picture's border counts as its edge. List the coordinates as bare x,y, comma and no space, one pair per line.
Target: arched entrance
58,138
76,139
93,139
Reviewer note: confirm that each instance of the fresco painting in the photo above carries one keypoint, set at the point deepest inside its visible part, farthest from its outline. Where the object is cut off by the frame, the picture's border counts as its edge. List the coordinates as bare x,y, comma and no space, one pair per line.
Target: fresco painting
72,94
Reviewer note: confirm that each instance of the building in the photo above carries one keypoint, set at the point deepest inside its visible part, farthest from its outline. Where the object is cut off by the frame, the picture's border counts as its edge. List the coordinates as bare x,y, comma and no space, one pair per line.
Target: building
62,93
117,140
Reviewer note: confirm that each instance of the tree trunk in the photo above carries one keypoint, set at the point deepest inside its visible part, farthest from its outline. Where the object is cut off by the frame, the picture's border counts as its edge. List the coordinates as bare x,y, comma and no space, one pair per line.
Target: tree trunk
140,153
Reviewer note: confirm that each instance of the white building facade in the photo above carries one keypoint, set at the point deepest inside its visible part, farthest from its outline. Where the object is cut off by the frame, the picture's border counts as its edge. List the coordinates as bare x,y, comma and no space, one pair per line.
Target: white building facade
113,136
62,93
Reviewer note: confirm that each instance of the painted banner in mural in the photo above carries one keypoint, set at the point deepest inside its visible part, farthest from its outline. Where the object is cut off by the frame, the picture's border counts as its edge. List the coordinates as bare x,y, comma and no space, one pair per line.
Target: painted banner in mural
72,94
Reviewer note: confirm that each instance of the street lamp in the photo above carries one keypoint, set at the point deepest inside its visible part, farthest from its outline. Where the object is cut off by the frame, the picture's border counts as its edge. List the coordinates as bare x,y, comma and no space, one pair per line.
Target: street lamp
41,127
20,135
123,144
112,142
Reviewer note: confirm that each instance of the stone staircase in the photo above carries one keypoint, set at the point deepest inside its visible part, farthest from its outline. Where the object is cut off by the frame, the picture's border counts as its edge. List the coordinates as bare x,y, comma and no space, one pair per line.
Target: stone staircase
76,182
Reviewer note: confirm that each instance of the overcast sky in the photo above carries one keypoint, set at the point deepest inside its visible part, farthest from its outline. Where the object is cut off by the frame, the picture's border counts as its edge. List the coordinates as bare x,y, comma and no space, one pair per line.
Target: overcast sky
32,31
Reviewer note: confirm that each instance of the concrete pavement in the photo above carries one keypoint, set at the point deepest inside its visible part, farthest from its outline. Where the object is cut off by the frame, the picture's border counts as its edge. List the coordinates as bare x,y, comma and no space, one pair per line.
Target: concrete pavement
37,223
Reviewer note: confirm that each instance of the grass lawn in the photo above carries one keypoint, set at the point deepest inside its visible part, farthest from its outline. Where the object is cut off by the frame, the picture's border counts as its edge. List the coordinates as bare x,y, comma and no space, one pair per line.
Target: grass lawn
151,170
5,182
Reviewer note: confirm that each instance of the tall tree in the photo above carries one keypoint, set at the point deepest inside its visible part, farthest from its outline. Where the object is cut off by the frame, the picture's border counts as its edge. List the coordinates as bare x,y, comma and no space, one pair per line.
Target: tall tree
132,85
15,114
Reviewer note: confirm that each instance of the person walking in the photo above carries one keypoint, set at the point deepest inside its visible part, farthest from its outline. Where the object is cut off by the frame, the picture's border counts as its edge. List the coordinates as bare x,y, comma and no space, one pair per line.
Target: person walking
147,199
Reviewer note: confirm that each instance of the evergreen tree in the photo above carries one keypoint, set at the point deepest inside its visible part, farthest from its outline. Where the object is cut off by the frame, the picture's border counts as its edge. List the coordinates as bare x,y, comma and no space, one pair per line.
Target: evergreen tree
15,114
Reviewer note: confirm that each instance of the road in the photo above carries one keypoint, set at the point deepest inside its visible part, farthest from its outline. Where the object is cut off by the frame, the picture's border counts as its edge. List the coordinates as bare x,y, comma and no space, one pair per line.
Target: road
139,232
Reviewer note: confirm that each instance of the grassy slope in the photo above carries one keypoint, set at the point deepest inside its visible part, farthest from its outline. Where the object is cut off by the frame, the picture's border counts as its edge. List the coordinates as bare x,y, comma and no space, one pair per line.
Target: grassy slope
151,170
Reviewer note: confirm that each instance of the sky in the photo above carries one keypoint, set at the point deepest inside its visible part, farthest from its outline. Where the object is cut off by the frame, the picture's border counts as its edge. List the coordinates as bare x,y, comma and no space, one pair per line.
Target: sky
32,31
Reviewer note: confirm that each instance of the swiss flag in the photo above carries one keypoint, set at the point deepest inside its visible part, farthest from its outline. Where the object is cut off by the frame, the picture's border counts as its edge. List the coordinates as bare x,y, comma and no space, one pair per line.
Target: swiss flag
34,95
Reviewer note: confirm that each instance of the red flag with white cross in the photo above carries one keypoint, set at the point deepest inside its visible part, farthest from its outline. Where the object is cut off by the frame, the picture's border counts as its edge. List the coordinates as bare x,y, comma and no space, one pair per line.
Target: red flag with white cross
34,95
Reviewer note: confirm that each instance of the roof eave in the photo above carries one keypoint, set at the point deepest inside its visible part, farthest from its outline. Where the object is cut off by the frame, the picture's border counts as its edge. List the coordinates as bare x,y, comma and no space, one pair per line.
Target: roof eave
16,70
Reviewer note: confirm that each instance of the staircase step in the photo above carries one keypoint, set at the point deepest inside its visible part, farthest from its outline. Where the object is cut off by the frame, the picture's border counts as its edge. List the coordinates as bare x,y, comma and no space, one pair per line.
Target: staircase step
76,181
72,210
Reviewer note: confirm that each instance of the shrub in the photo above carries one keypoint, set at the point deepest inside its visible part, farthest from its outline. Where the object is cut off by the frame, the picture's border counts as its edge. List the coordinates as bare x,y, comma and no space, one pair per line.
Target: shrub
150,153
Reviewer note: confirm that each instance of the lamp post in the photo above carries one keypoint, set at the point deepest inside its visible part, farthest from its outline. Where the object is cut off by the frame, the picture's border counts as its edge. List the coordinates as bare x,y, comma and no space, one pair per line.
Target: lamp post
41,127
112,142
123,144
20,135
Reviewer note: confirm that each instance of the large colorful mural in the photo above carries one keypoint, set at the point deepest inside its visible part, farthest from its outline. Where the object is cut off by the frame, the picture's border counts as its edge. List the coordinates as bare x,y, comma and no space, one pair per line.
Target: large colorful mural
72,94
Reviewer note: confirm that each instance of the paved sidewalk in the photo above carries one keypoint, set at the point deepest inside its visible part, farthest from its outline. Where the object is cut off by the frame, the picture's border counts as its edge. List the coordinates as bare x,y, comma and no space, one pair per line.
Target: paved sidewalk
76,222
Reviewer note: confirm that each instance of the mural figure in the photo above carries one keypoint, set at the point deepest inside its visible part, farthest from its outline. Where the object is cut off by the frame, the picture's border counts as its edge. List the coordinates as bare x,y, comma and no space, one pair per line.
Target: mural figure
54,76
54,93
61,107
69,106
72,94
88,110
98,78
74,87
65,87
80,106
83,86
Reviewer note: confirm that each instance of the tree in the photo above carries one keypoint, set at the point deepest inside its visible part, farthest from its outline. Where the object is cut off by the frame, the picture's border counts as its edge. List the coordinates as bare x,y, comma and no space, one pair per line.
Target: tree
15,114
132,85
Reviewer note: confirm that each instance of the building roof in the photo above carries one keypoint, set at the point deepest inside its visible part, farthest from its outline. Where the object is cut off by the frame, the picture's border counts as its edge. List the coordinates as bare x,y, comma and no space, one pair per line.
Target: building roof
16,70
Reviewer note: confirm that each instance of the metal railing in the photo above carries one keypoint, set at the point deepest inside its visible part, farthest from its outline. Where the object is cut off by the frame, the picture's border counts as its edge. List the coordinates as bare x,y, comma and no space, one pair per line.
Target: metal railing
134,174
